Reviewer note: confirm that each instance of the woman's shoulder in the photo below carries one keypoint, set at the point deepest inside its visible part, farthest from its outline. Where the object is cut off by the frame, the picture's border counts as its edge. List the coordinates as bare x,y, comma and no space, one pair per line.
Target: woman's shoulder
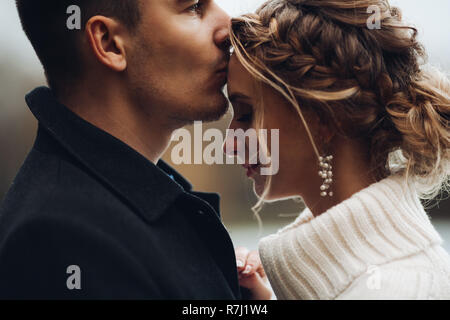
304,217
266,244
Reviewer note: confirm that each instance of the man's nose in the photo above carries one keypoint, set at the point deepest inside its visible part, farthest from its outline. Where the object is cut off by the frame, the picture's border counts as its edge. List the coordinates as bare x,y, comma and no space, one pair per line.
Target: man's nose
221,36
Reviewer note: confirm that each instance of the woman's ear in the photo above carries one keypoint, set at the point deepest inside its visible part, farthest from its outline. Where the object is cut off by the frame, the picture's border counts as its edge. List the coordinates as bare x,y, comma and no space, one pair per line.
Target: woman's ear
106,39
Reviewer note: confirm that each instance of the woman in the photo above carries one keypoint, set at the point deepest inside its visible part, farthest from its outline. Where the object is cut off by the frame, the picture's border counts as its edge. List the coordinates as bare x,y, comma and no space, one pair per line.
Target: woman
364,135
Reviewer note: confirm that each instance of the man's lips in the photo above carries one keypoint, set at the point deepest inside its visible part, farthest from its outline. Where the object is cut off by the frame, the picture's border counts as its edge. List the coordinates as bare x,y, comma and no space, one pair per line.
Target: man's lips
222,75
222,66
223,69
223,72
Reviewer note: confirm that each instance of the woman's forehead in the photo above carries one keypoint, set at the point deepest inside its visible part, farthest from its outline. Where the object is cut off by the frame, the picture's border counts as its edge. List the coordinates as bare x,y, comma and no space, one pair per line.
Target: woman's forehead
240,81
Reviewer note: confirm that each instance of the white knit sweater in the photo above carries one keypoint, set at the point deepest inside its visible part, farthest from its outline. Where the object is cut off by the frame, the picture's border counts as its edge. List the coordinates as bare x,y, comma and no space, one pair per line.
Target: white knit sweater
378,244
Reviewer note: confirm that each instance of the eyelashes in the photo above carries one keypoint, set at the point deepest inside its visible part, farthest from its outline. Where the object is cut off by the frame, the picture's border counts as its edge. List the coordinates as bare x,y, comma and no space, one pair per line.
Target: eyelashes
248,117
244,112
197,8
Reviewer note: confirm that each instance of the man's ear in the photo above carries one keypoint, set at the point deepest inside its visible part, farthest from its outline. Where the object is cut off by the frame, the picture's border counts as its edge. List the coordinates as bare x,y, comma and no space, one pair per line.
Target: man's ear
106,38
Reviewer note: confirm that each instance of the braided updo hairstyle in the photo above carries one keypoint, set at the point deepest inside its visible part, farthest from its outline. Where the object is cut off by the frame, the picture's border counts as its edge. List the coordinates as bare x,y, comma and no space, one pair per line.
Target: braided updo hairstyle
370,84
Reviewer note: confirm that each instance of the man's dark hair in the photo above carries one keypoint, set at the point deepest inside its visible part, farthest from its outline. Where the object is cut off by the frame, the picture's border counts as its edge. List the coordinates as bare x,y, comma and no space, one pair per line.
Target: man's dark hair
45,24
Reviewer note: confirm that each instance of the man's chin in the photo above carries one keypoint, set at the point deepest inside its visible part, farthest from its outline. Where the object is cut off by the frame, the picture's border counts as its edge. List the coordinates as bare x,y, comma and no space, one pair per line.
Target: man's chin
210,110
213,111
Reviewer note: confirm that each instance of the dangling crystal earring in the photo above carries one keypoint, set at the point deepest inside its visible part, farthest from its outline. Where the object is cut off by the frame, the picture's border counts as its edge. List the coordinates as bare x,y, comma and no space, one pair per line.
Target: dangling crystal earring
326,173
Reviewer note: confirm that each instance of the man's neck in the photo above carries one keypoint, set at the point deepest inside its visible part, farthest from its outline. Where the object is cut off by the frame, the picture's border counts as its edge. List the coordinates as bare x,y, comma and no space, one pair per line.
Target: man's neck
147,133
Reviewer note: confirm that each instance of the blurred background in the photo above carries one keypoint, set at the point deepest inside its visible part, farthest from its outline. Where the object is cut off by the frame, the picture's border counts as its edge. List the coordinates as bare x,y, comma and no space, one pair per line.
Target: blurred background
20,72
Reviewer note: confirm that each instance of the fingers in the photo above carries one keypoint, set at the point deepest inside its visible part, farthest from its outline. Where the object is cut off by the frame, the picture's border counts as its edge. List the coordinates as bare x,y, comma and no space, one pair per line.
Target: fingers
248,262
258,287
241,258
251,273
250,281
253,263
253,260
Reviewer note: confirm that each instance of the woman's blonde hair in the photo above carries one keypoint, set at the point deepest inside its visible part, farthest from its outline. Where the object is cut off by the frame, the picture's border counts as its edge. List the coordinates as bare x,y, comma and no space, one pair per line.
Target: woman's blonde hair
368,84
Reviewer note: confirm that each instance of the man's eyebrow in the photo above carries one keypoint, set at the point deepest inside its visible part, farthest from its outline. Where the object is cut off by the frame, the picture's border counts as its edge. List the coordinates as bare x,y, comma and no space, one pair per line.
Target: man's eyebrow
238,96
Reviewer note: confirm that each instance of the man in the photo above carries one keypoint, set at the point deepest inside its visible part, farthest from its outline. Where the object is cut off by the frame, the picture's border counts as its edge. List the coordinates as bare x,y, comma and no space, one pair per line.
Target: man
93,212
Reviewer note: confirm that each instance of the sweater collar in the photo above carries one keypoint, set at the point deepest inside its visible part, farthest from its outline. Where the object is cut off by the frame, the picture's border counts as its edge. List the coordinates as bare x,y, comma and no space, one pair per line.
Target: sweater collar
383,222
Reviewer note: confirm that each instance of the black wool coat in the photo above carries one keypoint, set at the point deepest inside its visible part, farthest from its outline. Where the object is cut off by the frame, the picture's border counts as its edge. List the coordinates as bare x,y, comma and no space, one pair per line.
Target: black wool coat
87,217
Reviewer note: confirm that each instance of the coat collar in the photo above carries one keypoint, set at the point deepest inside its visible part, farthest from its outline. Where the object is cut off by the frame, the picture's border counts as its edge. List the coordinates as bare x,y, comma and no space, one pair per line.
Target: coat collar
148,188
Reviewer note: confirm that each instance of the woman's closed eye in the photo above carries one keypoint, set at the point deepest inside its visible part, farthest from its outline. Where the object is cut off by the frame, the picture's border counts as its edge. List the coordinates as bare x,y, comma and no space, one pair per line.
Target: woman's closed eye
248,117
243,109
243,112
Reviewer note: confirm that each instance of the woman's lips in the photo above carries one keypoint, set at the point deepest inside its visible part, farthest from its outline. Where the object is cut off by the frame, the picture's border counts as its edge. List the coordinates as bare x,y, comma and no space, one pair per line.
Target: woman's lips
251,169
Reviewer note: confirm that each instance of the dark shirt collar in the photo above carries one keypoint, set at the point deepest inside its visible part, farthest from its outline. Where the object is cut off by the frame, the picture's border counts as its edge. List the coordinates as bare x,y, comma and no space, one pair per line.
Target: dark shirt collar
150,189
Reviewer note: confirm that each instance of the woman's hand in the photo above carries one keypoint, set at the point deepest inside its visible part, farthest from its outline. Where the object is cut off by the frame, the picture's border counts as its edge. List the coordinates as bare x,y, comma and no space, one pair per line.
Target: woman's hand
251,274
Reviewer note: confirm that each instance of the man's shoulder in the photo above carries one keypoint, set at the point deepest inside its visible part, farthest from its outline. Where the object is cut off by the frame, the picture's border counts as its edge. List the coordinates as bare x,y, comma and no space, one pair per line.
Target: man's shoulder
48,187
44,175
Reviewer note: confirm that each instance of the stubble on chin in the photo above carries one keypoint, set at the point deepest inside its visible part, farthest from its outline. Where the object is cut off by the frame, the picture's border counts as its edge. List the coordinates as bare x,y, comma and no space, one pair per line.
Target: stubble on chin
209,112
220,110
